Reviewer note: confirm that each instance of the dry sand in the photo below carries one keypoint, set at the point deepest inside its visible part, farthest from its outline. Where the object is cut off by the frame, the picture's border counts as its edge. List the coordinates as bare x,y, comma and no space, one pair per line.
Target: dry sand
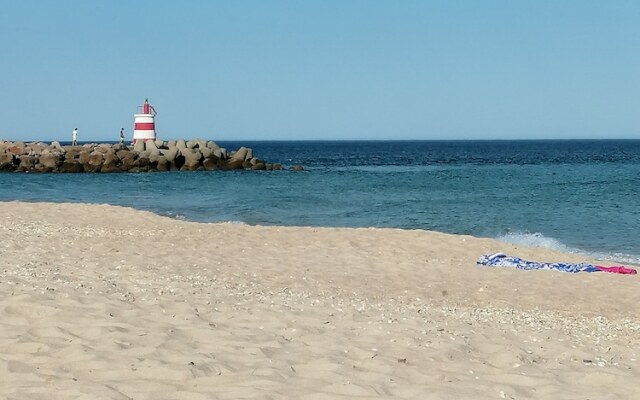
102,302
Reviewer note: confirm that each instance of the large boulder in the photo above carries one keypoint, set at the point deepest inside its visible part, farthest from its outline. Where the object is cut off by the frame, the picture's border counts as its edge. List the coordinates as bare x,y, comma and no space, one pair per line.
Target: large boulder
181,144
124,153
127,160
159,143
212,145
71,166
104,148
233,164
241,154
192,158
141,164
110,163
7,162
211,163
161,163
153,153
72,153
259,166
171,153
94,163
150,145
85,155
138,146
35,148
49,162
16,148
27,163
219,153
206,152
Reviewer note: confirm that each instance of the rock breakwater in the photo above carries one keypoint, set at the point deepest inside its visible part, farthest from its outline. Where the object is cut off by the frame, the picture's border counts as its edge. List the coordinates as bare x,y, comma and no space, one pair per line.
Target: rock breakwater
158,155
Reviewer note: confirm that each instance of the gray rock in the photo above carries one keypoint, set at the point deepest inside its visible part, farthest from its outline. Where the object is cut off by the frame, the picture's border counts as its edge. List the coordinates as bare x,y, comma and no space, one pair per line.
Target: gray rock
72,153
35,149
94,163
85,155
110,163
192,144
71,166
233,164
241,154
206,152
161,163
17,148
123,153
127,160
7,162
192,158
150,145
49,162
211,164
201,144
138,146
27,163
171,154
153,153
104,148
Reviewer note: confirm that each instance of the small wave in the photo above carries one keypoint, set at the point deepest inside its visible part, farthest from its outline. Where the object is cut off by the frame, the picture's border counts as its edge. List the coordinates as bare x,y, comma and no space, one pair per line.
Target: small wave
535,240
231,222
617,258
541,241
175,216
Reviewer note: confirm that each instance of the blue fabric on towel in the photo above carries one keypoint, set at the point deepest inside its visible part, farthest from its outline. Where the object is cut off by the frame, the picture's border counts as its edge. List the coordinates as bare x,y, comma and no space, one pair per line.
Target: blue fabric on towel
503,260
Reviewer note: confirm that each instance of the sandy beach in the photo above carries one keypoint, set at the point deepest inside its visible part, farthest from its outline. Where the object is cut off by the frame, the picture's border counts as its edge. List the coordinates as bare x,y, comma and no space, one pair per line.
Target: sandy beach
104,302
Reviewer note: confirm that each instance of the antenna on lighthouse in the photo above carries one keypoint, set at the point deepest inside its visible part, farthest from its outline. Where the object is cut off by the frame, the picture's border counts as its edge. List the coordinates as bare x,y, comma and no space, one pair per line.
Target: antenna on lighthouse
144,127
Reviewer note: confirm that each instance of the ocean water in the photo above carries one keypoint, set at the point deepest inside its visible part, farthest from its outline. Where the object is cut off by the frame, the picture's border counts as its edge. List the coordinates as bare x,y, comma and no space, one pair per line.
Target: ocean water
579,196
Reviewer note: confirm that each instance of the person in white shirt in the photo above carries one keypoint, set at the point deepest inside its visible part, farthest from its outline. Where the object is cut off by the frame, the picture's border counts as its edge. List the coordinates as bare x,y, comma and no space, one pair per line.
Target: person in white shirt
74,137
122,136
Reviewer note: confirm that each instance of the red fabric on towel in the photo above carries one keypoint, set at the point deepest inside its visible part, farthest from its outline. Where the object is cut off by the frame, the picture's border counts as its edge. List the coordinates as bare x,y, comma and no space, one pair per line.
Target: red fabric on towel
617,269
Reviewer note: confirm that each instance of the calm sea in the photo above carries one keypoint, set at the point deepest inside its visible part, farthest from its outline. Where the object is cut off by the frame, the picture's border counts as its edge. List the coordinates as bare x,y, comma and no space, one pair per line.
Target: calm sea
580,196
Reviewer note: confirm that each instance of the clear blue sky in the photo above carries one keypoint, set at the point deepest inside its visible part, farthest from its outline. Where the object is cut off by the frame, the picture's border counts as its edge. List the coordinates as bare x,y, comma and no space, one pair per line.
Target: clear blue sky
278,70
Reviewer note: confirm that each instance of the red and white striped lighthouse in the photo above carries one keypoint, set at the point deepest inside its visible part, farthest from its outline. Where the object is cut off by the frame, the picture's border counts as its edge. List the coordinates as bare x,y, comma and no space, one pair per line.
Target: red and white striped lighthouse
144,126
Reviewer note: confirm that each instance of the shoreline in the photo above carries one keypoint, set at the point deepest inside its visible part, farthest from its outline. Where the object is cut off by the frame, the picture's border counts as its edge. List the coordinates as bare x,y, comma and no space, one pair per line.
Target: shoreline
113,302
592,256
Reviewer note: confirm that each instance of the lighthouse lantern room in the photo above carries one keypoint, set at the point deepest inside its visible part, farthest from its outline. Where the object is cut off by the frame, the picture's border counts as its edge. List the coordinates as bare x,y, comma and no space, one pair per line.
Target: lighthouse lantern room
144,126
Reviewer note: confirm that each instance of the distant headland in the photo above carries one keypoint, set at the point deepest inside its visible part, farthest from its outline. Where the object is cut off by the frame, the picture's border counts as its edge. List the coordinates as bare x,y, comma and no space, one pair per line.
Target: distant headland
143,156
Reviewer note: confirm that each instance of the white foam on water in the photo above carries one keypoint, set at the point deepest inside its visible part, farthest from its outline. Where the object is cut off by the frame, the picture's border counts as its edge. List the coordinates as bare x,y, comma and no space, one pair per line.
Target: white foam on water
535,240
230,222
539,240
